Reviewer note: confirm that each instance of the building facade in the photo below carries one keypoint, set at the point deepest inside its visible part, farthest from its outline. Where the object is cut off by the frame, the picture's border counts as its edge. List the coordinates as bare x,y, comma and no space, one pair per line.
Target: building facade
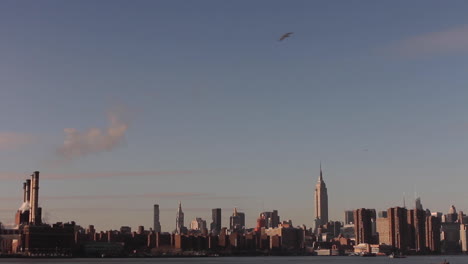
363,226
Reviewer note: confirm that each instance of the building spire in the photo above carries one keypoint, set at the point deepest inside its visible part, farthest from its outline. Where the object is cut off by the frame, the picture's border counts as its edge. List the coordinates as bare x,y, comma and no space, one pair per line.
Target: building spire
320,177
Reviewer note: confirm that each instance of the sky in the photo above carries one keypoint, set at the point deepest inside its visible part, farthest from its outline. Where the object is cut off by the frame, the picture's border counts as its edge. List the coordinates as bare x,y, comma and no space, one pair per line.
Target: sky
124,104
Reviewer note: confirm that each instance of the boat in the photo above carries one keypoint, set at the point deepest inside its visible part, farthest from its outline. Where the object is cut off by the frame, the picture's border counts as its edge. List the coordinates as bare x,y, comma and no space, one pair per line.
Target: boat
393,255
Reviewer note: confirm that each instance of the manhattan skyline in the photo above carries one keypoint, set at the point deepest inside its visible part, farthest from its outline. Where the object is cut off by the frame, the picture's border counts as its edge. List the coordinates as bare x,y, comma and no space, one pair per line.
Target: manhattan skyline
198,102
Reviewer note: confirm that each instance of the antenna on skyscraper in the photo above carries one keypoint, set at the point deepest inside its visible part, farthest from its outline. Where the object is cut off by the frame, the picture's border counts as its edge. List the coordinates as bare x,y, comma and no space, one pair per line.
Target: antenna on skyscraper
404,204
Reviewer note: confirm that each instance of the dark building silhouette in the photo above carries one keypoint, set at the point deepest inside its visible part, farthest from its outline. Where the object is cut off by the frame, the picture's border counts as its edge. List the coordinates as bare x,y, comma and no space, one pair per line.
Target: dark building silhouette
363,225
399,238
321,201
433,234
156,223
272,219
237,221
215,226
349,217
419,230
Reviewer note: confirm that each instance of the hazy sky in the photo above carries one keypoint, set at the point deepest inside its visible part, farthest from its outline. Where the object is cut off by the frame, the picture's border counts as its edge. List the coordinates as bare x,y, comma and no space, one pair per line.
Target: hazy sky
123,104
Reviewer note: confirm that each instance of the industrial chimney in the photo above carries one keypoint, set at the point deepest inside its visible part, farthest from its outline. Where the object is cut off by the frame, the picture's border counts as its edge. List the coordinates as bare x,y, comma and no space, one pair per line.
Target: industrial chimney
34,198
24,192
28,191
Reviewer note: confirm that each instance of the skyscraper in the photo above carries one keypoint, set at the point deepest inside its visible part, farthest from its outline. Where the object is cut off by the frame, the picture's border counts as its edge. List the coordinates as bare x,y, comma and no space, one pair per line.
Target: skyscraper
156,223
199,225
272,219
179,220
433,234
237,221
363,225
321,201
216,220
349,217
398,223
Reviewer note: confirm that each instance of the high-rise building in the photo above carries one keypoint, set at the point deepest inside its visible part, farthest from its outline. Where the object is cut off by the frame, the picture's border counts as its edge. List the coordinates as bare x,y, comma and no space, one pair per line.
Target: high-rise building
418,204
349,217
156,223
321,201
452,216
383,230
198,224
272,219
419,229
433,233
237,221
464,238
363,226
398,225
180,220
216,220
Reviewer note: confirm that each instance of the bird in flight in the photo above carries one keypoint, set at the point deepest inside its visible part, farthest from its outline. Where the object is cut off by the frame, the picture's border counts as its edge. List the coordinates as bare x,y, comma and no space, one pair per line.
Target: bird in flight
287,35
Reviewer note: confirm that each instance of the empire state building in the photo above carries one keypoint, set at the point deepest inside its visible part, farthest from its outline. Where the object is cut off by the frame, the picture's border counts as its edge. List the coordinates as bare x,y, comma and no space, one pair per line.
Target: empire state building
321,201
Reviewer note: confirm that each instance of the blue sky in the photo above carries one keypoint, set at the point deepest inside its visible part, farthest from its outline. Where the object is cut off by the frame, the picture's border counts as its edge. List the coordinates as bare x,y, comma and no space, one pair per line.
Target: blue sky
210,109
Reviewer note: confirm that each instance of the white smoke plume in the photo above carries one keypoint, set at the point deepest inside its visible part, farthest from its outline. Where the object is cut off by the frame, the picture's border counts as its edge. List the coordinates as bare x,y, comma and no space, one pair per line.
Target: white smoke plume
94,140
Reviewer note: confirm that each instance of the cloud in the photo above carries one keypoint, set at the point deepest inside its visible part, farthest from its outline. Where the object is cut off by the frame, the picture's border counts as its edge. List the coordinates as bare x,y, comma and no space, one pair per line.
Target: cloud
95,140
11,141
453,40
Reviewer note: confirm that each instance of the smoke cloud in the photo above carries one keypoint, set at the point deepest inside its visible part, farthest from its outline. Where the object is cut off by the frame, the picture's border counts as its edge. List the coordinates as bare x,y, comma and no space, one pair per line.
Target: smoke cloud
450,41
95,140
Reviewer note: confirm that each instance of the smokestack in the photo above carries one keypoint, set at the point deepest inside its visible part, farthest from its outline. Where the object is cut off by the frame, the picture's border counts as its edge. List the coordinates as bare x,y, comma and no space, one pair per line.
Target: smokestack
24,192
28,190
33,217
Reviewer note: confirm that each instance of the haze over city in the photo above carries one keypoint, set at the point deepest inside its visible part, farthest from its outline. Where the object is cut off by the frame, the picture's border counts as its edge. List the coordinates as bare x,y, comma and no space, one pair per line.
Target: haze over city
122,105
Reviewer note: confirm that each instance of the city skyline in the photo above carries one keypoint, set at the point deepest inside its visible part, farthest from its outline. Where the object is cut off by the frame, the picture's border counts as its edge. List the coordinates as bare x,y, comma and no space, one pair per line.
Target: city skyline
122,106
31,198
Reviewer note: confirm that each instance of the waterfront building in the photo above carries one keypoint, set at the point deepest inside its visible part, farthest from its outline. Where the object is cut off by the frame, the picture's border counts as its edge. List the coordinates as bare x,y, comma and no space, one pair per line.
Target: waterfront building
433,234
450,238
363,226
398,225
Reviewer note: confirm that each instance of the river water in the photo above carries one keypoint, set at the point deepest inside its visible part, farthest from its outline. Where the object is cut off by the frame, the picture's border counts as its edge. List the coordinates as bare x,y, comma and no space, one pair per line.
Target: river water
253,260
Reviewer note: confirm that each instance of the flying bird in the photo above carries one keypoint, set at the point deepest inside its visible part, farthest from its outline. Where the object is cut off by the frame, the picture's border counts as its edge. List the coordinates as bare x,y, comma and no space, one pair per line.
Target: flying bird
287,35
